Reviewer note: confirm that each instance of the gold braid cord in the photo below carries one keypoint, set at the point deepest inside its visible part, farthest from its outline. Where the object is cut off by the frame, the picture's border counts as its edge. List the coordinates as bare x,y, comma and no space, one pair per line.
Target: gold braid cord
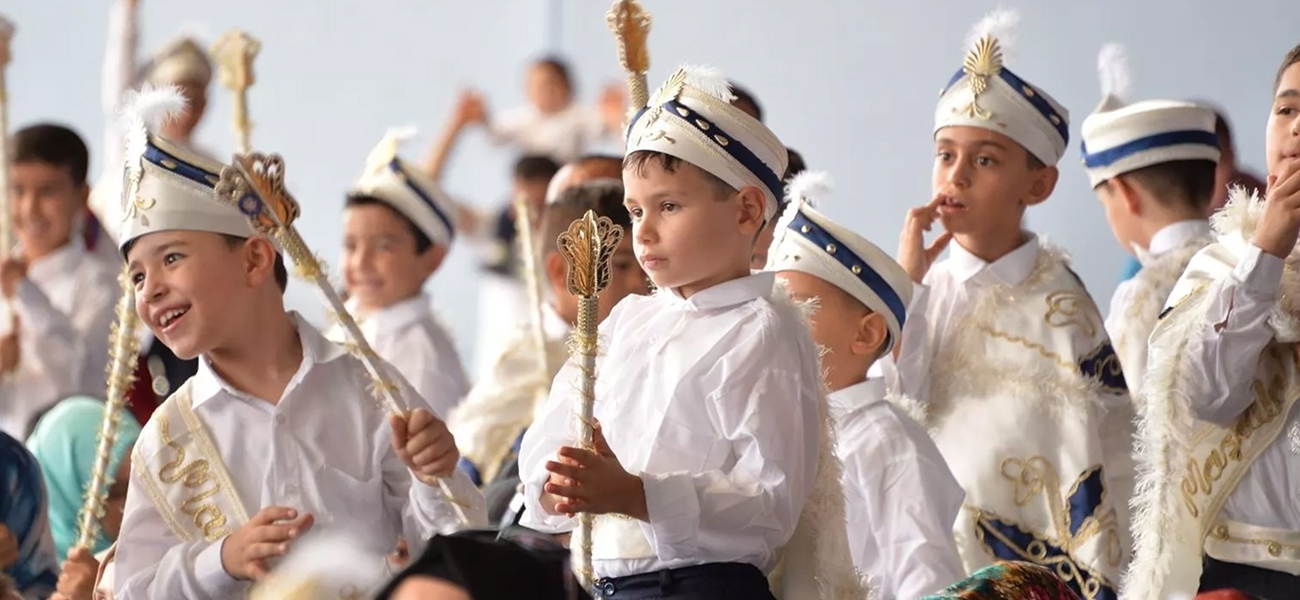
631,26
587,246
234,54
124,348
255,184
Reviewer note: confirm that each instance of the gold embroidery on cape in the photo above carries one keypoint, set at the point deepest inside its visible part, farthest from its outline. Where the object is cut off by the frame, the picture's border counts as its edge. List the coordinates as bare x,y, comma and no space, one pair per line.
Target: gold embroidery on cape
1274,547
1035,476
207,516
1068,308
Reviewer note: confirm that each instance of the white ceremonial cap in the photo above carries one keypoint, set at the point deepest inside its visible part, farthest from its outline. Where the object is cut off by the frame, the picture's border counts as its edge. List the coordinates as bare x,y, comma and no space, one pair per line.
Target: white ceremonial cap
407,189
810,242
691,118
180,61
1120,137
986,94
165,187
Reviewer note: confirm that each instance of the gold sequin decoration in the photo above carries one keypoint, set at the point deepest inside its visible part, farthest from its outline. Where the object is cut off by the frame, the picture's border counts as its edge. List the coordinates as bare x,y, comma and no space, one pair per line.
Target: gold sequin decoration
1070,309
856,270
805,229
721,140
703,125
830,248
169,163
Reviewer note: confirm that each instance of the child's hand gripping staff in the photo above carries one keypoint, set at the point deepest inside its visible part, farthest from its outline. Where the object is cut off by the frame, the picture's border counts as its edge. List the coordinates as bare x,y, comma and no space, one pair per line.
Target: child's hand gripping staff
255,184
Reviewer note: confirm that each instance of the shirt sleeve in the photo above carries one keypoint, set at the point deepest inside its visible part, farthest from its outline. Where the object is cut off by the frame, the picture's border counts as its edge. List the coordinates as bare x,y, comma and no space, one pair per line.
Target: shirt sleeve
509,127
153,564
71,347
1224,353
909,372
433,369
549,431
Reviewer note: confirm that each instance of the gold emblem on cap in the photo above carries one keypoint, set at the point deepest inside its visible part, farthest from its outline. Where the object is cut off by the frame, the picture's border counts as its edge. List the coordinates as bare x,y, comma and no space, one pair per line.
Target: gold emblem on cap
703,125
721,140
830,248
982,63
805,229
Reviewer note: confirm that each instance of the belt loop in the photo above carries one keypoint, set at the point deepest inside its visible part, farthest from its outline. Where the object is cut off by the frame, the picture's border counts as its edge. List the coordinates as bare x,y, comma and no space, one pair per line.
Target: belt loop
665,581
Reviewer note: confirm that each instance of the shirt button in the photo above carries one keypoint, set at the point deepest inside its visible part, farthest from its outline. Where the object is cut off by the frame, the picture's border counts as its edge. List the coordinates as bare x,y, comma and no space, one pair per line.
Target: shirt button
280,419
291,489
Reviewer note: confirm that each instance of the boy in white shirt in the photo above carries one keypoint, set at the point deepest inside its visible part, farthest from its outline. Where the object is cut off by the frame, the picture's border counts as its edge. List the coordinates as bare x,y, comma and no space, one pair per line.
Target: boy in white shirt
397,229
1153,166
277,434
709,392
58,297
901,498
1003,345
1217,504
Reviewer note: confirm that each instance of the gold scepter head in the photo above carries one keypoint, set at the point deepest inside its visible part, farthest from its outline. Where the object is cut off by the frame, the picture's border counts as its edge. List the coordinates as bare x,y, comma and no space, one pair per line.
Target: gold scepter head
631,26
234,54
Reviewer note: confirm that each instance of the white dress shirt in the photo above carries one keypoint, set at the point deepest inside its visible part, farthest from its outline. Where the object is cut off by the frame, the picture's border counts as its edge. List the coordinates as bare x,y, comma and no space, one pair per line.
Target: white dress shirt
713,400
65,311
562,136
324,448
1219,379
410,336
900,498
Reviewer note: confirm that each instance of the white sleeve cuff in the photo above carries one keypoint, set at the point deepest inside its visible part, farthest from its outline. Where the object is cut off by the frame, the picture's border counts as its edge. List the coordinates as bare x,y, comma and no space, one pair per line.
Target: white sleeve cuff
1260,274
211,576
674,508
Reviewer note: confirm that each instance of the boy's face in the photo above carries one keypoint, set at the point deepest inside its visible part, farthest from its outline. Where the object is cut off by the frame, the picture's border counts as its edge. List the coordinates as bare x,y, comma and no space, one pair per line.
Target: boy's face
1283,136
835,325
187,286
547,90
534,192
381,266
626,277
985,181
44,204
687,233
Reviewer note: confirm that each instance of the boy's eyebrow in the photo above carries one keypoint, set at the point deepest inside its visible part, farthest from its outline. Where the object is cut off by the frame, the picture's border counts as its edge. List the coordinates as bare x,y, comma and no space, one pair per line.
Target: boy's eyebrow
1288,93
978,143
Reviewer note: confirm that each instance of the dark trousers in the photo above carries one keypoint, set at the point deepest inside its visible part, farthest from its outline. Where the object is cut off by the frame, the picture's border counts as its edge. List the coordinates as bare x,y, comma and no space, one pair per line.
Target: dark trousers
714,581
1263,584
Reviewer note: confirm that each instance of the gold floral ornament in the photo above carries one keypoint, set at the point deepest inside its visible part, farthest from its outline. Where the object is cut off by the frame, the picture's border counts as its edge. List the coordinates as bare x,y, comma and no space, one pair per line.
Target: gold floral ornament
670,90
234,54
631,26
982,64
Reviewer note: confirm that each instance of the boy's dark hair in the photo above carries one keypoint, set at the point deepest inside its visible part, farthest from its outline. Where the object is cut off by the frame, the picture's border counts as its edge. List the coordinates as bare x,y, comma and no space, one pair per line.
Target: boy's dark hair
53,144
744,100
535,167
795,167
1291,58
560,67
422,241
603,196
1034,162
1178,182
637,162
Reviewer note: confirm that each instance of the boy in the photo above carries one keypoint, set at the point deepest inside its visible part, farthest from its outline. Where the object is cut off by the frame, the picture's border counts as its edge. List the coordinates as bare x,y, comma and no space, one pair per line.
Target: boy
1003,345
501,406
58,298
397,229
693,496
277,433
1152,165
1221,477
860,295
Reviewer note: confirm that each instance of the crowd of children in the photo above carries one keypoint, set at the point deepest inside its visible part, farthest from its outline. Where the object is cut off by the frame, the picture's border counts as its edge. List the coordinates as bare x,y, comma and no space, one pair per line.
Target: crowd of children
783,410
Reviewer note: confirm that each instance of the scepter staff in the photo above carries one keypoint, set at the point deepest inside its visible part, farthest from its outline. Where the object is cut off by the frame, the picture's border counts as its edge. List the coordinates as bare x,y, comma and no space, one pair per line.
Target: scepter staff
533,284
234,54
631,26
587,246
6,224
254,183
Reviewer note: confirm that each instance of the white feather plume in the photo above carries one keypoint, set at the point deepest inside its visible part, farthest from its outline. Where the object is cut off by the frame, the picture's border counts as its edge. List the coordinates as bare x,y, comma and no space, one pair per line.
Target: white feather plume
708,80
810,187
1113,68
1001,24
401,135
143,111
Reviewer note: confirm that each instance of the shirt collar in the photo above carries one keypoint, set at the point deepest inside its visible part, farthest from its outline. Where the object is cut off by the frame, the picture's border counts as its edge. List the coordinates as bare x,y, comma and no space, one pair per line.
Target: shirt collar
728,293
396,316
857,395
1010,269
1173,235
316,350
59,263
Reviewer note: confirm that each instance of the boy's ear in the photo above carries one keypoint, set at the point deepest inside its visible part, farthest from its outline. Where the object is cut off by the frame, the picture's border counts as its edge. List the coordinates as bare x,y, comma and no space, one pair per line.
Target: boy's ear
872,333
1043,184
1129,192
557,272
753,205
259,260
83,195
432,258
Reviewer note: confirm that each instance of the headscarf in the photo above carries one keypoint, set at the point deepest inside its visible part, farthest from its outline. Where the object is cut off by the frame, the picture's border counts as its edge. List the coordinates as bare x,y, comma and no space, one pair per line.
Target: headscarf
23,512
538,568
64,442
1009,581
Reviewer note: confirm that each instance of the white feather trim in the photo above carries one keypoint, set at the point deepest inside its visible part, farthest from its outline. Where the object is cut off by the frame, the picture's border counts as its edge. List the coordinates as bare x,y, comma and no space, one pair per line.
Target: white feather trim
144,111
708,80
1001,24
909,405
402,134
810,187
1113,68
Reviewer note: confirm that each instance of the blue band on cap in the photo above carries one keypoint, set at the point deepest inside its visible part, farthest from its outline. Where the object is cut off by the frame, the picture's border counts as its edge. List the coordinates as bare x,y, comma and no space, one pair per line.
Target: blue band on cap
157,156
1110,156
1030,93
396,166
823,239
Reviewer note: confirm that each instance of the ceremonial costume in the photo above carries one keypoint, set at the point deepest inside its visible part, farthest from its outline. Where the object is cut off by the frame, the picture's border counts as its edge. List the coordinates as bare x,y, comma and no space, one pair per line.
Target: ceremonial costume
901,500
1022,390
1221,430
684,384
408,334
212,455
1120,138
65,308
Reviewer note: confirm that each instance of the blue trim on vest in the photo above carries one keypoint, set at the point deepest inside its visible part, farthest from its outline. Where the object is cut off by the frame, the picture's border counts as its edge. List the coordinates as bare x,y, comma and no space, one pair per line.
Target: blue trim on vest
1160,140
471,470
821,238
1102,366
396,166
1035,98
155,155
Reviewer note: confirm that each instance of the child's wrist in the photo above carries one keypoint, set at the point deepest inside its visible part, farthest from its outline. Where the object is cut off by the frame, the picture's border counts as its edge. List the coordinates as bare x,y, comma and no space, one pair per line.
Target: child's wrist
635,501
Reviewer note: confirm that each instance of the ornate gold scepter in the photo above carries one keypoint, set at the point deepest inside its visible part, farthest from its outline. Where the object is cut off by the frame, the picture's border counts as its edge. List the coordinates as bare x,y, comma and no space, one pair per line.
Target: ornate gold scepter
533,283
587,246
124,346
255,184
235,52
631,26
6,225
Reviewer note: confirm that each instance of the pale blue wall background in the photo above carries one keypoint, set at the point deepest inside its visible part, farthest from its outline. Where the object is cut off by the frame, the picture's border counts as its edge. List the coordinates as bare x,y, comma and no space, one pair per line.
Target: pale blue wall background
852,85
